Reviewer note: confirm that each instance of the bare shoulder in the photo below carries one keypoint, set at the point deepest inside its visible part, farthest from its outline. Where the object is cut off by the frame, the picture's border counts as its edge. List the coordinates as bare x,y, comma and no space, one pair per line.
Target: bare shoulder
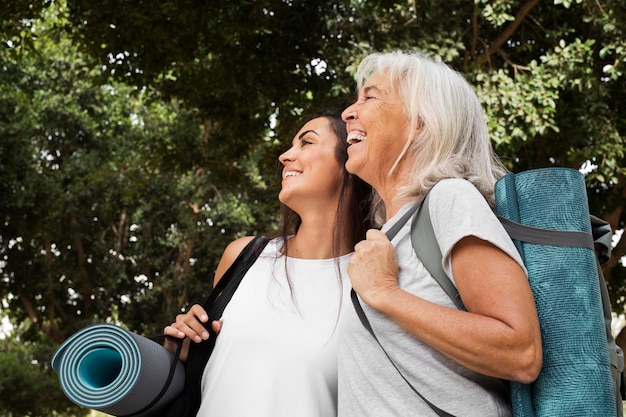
231,252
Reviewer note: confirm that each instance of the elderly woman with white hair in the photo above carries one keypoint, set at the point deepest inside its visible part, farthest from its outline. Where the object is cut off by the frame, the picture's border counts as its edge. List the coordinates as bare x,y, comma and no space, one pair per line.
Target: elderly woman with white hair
417,127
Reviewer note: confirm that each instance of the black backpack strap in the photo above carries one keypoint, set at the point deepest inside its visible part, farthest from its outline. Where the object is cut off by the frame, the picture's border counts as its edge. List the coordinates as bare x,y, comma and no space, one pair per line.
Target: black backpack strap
214,305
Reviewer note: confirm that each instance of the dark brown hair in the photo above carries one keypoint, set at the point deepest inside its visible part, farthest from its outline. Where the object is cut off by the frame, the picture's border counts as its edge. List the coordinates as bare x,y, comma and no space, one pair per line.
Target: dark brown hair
354,198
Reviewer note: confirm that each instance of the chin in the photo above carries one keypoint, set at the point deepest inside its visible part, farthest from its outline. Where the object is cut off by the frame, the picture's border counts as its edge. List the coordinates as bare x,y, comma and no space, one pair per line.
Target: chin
352,167
281,196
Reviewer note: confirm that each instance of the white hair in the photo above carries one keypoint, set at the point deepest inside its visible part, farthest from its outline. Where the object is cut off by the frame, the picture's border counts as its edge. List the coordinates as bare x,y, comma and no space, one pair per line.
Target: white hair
449,136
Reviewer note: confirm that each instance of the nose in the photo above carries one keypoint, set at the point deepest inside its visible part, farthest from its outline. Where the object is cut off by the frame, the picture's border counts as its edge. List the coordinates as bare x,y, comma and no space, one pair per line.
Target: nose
349,113
287,156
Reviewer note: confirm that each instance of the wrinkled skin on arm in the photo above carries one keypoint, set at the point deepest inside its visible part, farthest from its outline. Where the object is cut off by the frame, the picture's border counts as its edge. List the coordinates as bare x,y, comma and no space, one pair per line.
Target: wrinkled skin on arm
499,333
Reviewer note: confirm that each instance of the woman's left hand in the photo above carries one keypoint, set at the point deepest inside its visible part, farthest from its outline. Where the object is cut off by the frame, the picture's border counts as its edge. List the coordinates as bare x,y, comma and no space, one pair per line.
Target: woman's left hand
373,268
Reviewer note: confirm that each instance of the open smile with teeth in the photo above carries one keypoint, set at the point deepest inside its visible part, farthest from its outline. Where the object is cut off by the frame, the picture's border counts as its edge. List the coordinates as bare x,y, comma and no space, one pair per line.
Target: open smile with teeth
291,174
355,137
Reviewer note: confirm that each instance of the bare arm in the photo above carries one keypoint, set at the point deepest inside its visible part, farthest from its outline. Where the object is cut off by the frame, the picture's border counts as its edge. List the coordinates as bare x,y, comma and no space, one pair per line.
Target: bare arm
499,333
228,257
190,325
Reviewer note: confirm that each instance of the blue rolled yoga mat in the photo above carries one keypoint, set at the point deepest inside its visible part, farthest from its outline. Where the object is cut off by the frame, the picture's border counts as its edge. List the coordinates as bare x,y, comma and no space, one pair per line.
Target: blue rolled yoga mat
109,369
576,377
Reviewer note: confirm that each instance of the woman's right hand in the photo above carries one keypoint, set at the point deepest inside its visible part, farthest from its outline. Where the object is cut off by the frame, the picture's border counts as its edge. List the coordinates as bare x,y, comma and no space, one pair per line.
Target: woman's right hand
189,326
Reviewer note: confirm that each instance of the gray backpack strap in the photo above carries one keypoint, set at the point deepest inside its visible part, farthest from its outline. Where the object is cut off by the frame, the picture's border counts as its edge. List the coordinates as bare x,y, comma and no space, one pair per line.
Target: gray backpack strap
524,233
428,252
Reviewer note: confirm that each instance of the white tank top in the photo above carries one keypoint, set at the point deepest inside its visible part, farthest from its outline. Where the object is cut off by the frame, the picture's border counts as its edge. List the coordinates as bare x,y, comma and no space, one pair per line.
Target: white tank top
276,355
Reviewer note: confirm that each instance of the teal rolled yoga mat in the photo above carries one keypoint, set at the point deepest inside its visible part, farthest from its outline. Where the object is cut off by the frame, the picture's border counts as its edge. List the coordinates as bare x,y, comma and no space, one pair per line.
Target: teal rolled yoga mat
109,369
576,377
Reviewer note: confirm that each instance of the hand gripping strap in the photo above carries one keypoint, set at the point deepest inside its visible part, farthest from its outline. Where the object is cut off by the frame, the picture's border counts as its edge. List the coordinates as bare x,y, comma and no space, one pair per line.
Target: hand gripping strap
393,230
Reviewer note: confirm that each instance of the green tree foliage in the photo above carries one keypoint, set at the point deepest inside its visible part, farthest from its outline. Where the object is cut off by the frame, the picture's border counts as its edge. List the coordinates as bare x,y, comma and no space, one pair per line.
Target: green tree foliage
137,140
109,201
26,387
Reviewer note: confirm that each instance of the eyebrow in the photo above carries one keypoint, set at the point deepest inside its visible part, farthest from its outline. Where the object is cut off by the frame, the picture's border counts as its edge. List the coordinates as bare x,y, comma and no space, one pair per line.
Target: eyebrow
369,88
303,134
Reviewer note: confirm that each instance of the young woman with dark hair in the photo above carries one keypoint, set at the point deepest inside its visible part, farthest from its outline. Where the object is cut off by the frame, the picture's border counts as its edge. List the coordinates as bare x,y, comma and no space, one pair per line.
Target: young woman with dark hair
276,352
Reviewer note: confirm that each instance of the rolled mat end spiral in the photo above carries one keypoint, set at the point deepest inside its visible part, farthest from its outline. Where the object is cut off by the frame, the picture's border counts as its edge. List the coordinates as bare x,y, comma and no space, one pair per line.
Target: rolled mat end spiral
113,370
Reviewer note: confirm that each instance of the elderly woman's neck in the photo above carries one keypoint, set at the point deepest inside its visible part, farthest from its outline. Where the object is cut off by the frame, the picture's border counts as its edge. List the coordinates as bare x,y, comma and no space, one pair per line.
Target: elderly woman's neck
389,191
394,206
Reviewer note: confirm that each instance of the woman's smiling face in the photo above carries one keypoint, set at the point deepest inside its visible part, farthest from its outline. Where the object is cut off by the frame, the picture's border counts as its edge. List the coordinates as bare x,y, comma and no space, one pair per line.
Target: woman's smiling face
377,130
312,175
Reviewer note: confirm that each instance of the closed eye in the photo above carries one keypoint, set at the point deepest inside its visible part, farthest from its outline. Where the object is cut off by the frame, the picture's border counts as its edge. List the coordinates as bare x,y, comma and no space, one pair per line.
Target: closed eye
366,93
304,135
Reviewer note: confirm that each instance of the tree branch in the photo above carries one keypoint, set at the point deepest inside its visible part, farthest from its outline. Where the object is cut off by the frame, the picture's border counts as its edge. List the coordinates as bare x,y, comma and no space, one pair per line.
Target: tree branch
506,35
28,308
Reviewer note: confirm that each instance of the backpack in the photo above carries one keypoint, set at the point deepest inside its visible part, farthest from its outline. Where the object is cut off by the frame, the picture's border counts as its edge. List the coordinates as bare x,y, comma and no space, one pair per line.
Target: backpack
545,211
